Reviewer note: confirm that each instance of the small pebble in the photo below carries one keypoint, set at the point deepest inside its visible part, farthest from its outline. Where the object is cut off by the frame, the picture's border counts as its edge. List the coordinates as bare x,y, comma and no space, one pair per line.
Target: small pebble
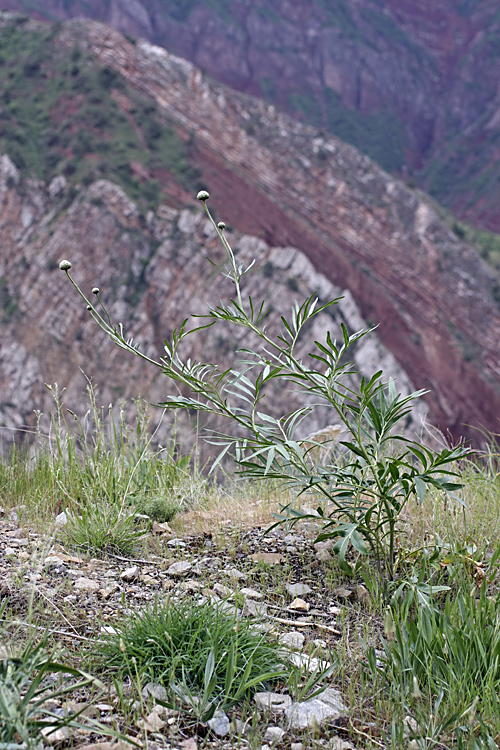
181,568
274,734
130,574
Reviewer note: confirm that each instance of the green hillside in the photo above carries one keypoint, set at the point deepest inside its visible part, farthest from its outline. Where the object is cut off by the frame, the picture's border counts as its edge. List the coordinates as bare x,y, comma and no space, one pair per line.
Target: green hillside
62,113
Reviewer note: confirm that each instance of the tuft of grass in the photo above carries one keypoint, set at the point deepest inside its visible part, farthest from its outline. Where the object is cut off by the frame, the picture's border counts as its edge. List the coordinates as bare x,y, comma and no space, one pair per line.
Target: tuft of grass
27,695
104,529
203,654
441,665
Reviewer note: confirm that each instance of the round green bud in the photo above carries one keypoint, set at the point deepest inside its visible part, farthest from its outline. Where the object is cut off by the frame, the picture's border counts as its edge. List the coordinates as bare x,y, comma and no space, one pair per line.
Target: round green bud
203,195
65,265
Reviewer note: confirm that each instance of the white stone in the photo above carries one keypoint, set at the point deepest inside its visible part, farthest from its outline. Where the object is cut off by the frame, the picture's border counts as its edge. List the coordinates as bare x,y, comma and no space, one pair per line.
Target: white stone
251,594
53,560
276,703
323,555
235,574
306,715
57,185
181,568
86,584
320,643
298,589
252,608
57,736
337,743
161,528
293,640
219,724
274,734
222,590
130,574
311,663
62,519
154,690
153,722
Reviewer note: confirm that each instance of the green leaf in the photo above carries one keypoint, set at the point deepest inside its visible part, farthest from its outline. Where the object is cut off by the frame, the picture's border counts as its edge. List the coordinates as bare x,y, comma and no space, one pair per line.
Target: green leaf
219,458
270,459
358,543
354,448
421,489
208,680
495,556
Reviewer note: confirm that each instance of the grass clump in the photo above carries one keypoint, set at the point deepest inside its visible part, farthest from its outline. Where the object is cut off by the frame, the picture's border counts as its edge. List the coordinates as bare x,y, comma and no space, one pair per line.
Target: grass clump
104,529
103,471
203,654
27,694
441,666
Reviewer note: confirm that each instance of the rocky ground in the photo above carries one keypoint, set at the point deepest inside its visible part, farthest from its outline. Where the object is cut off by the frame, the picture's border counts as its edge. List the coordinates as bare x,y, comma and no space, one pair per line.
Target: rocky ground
280,580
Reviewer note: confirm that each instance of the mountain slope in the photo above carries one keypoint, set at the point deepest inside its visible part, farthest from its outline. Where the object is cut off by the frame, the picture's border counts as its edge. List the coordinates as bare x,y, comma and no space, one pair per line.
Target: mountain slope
64,113
412,84
274,178
152,274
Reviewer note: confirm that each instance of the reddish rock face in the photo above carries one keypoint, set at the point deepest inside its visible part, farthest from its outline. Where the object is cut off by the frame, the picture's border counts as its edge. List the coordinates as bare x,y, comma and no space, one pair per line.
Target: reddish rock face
431,295
412,83
278,179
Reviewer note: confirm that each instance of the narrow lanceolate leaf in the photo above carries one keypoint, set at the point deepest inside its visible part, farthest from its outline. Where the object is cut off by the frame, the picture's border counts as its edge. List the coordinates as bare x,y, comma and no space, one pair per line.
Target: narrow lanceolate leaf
220,457
208,679
267,418
358,543
421,488
270,459
354,448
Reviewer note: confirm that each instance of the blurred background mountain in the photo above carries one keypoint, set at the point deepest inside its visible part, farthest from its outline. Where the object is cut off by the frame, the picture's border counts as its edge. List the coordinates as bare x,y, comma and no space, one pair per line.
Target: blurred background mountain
107,139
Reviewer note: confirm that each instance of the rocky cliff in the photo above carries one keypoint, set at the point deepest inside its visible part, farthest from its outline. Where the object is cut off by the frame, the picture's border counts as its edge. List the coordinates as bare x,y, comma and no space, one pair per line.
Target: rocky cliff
412,84
151,274
272,178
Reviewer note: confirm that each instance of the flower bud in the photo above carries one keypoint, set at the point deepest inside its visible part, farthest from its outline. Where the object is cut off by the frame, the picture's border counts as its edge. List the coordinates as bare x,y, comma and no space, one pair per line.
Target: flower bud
472,711
65,265
221,225
389,625
203,195
416,689
95,290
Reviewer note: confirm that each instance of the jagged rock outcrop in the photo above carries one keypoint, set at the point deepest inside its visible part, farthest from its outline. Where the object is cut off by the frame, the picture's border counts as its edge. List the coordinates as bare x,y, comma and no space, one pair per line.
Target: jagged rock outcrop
412,84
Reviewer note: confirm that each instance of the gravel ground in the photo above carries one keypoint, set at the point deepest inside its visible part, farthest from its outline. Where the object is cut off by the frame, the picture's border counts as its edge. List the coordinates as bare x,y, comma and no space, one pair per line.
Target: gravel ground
282,581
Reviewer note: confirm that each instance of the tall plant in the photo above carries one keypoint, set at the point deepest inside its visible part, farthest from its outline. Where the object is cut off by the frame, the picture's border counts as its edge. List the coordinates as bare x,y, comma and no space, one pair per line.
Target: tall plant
362,490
